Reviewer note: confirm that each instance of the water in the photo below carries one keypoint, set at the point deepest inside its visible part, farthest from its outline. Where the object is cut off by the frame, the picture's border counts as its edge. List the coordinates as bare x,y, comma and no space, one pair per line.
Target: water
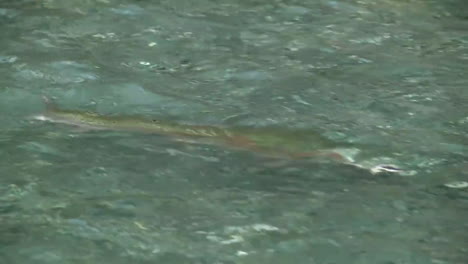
389,76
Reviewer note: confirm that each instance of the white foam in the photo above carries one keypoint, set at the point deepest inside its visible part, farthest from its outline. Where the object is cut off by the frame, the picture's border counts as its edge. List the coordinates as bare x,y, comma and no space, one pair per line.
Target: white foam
41,118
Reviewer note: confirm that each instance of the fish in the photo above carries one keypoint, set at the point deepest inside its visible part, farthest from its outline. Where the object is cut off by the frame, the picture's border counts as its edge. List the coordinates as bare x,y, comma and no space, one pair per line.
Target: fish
272,142
94,121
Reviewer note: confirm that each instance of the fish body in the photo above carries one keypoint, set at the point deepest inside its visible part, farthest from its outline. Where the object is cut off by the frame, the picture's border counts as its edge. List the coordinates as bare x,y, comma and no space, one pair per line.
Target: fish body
95,121
269,141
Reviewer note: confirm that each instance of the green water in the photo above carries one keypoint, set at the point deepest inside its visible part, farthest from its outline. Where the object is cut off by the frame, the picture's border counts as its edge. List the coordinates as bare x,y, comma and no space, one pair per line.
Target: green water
387,75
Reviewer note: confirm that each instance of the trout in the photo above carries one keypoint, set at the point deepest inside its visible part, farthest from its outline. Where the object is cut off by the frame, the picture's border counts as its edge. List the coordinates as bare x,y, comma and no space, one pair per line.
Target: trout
273,142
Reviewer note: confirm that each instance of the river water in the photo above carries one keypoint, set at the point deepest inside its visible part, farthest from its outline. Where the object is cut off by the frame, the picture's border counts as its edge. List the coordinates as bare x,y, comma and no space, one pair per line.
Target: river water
387,75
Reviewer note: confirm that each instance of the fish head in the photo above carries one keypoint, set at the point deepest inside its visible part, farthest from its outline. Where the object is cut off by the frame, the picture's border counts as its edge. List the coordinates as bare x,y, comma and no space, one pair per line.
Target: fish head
66,117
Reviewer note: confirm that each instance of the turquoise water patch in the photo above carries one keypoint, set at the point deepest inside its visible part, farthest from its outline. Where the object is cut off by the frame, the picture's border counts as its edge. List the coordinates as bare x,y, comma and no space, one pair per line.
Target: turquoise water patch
327,131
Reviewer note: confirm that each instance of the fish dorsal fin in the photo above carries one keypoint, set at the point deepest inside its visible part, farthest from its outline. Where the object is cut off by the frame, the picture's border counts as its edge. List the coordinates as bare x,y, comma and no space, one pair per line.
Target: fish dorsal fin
50,105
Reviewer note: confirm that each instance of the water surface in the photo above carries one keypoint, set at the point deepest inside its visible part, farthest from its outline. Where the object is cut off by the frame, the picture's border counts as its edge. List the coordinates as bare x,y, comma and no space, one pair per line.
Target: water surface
389,75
